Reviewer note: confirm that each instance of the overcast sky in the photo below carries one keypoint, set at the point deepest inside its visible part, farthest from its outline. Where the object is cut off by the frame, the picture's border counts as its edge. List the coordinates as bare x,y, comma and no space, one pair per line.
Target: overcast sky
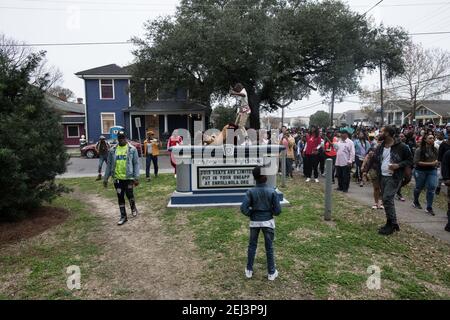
63,21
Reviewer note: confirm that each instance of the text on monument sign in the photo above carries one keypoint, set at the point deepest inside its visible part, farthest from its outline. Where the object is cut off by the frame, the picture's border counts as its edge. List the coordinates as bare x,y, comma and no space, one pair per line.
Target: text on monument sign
226,177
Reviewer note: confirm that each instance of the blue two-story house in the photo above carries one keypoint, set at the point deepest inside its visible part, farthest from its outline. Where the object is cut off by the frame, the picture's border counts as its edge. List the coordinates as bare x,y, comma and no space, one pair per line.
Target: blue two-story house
109,104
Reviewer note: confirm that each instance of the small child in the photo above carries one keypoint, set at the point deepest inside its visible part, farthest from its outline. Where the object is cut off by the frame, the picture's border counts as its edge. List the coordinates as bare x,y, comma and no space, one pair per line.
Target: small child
261,203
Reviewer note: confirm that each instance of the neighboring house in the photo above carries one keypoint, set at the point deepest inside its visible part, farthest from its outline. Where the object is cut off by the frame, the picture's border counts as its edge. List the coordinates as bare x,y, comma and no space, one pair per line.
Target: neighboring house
336,119
436,111
72,118
109,103
353,117
398,112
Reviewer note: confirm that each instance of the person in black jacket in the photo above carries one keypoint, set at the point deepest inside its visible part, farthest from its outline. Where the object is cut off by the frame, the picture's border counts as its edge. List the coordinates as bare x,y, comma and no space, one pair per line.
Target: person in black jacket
443,148
445,170
392,157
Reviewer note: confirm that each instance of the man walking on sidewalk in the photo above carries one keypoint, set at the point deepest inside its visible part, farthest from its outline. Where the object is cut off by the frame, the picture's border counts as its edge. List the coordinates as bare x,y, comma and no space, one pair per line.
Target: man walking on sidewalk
445,169
344,160
392,157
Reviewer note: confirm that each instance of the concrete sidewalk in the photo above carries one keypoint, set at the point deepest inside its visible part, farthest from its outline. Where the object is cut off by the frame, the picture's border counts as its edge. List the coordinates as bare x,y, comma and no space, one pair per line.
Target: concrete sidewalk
419,219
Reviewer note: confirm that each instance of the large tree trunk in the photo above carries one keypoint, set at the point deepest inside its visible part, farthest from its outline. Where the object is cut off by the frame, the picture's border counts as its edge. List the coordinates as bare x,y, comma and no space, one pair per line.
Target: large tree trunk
253,101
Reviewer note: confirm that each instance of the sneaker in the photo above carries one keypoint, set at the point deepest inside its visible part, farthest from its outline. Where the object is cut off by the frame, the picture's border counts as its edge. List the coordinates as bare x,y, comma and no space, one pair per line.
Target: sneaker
416,205
273,276
381,207
248,273
99,177
361,184
308,179
134,213
400,197
389,229
122,221
316,180
430,211
375,207
175,176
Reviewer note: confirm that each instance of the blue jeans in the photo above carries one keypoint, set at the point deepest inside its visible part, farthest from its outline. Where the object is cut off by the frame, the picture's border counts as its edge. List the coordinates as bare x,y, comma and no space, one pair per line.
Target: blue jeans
149,159
428,180
269,235
101,159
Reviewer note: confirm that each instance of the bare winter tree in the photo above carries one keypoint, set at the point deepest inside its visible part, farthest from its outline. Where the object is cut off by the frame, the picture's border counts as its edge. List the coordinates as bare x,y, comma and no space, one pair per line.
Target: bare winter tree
426,76
61,92
371,101
19,54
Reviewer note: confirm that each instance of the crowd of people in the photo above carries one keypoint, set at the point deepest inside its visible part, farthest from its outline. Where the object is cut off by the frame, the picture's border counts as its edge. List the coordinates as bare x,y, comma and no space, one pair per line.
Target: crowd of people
387,158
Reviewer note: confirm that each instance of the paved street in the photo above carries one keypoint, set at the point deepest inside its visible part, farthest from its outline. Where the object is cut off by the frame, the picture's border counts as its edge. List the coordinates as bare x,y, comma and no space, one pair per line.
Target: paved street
82,167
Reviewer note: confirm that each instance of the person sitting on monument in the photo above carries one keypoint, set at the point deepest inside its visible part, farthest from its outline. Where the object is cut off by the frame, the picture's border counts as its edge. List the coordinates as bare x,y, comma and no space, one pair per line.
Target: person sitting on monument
260,204
222,137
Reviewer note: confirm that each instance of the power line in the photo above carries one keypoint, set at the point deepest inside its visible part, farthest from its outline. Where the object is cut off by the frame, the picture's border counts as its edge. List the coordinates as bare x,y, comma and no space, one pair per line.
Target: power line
416,4
65,44
373,7
130,42
428,33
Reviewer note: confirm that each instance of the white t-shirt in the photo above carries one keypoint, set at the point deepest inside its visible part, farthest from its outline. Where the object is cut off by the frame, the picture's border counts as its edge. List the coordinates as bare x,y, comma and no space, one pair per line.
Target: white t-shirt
244,108
385,162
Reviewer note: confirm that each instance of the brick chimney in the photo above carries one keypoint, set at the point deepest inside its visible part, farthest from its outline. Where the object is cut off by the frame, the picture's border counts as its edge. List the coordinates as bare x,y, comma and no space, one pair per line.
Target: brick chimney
62,96
80,100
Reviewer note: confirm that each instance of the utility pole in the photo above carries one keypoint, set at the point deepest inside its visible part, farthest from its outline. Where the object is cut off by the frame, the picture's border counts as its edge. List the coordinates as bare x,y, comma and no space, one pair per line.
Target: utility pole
282,117
381,94
332,107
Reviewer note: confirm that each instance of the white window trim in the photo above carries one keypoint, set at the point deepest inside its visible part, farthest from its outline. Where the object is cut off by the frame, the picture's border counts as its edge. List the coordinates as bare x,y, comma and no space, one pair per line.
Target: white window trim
101,120
100,89
78,128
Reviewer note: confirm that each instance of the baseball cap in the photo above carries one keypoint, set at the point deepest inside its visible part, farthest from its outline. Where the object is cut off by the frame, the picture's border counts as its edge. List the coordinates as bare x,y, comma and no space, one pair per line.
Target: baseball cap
102,137
121,135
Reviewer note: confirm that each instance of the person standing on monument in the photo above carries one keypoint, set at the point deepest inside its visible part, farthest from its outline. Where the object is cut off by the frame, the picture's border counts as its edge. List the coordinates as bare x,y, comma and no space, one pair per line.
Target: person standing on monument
260,204
244,108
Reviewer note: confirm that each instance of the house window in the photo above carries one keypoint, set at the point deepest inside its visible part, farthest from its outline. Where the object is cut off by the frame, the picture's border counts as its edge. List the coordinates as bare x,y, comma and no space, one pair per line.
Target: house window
107,89
108,120
73,131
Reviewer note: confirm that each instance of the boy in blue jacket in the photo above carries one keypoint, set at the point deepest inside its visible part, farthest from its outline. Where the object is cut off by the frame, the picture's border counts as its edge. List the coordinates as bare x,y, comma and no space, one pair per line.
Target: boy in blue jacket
260,204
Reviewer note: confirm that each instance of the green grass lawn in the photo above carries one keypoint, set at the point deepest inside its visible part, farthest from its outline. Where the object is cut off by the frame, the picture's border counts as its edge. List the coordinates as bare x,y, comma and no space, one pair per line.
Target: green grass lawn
36,268
316,259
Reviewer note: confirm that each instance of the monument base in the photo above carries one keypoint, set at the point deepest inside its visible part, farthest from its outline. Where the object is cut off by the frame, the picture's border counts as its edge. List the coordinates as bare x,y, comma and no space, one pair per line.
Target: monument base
216,198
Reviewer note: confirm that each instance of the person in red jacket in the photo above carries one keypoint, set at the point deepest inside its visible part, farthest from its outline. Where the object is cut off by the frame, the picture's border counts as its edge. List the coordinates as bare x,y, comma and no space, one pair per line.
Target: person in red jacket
174,140
330,151
313,143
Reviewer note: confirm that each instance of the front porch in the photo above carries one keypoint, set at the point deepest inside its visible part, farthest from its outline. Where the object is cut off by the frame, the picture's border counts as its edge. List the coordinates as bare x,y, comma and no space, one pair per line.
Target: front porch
163,117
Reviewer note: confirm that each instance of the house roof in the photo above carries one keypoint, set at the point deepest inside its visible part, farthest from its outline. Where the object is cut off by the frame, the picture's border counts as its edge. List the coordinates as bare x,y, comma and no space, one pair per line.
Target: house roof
64,106
403,105
169,106
440,107
107,70
356,114
72,120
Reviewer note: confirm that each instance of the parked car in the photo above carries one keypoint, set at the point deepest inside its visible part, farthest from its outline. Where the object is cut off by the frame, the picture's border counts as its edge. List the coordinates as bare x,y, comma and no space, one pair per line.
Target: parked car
90,152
